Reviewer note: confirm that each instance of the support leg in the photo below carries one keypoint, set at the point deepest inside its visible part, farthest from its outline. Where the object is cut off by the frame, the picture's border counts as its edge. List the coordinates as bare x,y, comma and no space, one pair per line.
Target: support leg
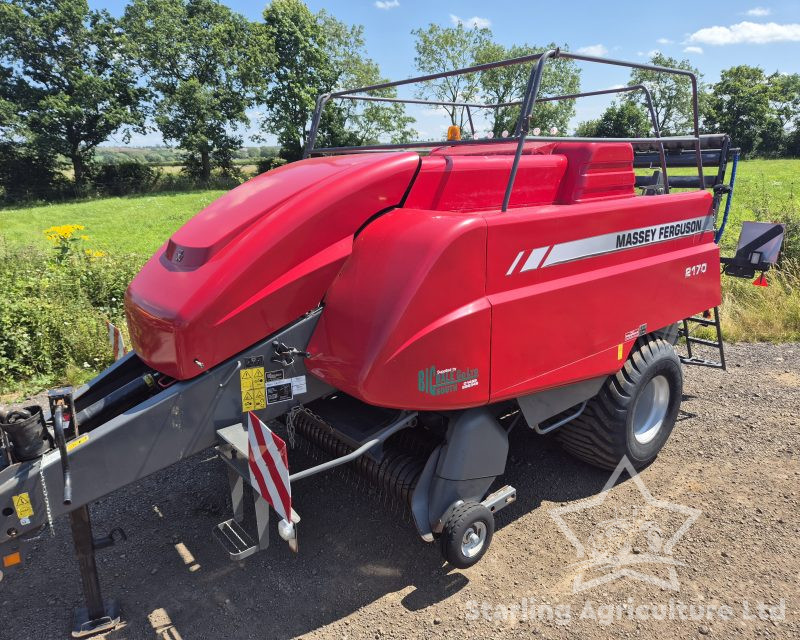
97,616
236,483
262,521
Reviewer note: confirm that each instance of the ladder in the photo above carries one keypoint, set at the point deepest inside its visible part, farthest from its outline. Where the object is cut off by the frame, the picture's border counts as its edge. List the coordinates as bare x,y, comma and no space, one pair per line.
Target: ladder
692,324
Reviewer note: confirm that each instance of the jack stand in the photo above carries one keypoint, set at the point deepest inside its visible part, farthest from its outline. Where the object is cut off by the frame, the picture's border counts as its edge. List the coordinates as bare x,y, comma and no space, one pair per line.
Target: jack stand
97,616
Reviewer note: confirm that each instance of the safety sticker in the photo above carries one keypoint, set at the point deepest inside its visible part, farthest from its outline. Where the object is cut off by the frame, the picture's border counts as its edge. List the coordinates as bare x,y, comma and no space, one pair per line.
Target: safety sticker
277,374
77,442
279,391
298,385
254,361
253,393
22,505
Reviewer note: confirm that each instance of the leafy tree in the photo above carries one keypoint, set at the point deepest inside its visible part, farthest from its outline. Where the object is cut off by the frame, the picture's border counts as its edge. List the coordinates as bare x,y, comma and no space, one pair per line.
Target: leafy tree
672,94
73,86
624,119
364,122
784,113
507,84
317,54
739,105
206,65
442,49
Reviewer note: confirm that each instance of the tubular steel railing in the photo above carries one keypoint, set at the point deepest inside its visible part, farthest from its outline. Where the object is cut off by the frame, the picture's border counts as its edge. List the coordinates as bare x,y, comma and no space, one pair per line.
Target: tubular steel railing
526,109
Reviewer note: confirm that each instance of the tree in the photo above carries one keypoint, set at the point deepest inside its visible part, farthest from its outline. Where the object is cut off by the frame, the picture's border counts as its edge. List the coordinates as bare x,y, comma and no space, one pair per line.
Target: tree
624,119
207,65
672,94
442,49
364,122
317,54
73,85
507,84
739,105
784,113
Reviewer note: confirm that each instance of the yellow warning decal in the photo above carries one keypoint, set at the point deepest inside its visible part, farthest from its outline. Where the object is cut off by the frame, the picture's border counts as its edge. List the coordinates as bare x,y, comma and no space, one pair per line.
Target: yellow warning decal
254,393
22,505
619,352
77,442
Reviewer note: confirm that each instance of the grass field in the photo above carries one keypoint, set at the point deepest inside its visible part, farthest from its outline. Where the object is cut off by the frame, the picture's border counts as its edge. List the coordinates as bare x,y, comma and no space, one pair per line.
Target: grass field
45,342
130,225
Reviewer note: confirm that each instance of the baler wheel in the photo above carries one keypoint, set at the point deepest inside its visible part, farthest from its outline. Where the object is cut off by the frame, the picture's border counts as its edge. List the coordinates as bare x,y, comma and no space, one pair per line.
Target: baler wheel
634,412
467,534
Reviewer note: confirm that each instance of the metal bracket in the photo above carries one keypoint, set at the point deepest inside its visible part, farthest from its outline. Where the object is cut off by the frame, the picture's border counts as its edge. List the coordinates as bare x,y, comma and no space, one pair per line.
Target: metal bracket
500,499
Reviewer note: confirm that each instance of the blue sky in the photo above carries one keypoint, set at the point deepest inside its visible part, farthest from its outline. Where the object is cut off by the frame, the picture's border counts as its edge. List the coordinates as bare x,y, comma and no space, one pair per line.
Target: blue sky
712,35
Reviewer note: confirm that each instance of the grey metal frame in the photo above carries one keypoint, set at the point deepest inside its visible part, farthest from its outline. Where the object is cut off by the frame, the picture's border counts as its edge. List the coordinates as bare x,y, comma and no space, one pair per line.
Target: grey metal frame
527,105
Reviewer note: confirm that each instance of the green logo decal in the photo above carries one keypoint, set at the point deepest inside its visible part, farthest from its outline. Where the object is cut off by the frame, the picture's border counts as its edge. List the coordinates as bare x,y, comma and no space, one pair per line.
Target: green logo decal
437,382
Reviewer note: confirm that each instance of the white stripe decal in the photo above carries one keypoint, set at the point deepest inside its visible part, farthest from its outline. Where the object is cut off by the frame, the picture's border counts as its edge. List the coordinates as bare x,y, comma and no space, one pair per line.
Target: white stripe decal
535,259
514,264
628,239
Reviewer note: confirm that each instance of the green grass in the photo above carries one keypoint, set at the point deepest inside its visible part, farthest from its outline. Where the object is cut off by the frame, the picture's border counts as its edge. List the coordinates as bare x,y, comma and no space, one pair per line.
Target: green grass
131,225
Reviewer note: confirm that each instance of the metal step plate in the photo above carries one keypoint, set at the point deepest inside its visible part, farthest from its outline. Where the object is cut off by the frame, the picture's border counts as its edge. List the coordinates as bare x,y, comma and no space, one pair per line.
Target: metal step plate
235,540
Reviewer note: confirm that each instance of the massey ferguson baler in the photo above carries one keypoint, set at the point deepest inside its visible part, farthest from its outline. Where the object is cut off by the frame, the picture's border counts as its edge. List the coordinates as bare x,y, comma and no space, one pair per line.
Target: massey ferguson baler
401,308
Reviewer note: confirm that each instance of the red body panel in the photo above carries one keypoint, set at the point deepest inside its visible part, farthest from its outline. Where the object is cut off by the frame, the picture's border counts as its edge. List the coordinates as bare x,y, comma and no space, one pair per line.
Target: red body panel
473,183
596,170
561,323
411,297
444,303
257,258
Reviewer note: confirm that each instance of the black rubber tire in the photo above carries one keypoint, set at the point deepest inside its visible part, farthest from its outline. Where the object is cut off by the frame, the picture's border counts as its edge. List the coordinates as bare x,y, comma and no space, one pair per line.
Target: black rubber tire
604,433
463,517
668,333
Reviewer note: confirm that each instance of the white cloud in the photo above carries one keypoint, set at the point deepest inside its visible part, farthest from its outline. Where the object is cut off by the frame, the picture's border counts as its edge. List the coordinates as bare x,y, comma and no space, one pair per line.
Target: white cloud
693,50
648,54
664,41
758,12
387,4
594,50
475,21
747,33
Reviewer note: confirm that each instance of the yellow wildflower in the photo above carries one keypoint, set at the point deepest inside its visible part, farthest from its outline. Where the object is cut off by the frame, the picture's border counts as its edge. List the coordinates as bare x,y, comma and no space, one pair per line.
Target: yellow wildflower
62,232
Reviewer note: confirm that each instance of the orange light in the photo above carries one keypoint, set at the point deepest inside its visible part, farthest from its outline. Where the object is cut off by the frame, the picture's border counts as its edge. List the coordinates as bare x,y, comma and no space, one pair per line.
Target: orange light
12,559
454,132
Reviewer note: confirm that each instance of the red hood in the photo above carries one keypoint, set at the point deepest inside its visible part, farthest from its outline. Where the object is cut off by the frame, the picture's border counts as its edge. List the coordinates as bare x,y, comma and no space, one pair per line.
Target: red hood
257,258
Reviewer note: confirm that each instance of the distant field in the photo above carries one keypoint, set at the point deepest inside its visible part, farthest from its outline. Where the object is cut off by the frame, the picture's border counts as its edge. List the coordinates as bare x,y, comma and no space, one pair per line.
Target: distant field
117,225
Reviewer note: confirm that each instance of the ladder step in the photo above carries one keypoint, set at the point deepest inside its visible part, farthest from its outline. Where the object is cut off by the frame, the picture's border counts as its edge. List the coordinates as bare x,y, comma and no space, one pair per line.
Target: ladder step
702,321
708,343
235,540
700,362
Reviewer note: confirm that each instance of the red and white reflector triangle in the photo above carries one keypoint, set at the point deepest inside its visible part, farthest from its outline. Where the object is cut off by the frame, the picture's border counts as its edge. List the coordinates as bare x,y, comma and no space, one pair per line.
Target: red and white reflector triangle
116,341
269,466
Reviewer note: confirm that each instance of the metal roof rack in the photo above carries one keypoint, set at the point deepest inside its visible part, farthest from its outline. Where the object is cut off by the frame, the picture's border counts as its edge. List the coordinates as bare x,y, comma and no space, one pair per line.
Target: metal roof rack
657,142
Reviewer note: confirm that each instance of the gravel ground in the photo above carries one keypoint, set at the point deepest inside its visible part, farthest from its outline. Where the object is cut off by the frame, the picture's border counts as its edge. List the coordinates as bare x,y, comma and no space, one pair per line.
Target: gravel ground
363,573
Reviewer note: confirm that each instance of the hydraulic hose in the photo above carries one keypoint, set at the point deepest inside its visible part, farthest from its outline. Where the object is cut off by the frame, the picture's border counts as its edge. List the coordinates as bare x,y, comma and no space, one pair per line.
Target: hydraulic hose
61,441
